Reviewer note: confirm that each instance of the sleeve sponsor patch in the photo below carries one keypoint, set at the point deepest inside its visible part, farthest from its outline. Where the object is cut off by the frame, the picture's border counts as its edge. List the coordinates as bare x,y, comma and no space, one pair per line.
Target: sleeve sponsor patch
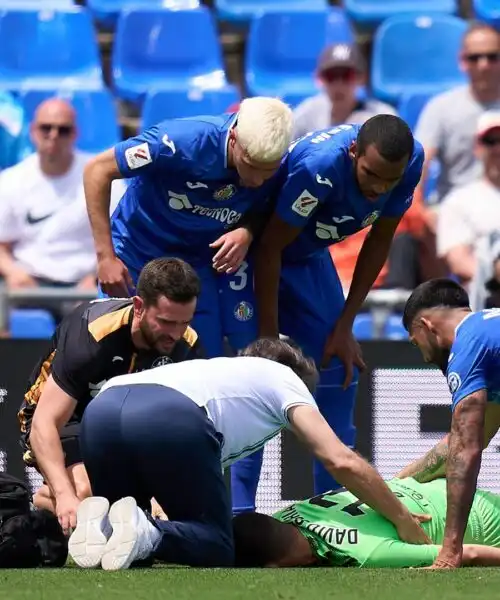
305,204
138,156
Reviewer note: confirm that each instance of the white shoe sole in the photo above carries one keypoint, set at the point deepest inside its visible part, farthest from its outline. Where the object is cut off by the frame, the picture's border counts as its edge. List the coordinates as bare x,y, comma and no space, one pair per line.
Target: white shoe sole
121,547
88,541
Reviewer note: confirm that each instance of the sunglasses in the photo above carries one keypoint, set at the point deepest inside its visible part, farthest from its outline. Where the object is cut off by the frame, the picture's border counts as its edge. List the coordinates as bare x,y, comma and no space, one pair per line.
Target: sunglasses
344,75
490,141
491,57
61,130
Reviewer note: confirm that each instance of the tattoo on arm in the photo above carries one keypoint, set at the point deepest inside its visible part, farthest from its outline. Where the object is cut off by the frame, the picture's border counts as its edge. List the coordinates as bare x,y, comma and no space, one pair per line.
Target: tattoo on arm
464,462
431,466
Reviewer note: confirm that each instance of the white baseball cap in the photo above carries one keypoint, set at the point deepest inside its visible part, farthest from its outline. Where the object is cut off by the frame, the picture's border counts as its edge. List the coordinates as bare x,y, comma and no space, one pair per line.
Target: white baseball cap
488,121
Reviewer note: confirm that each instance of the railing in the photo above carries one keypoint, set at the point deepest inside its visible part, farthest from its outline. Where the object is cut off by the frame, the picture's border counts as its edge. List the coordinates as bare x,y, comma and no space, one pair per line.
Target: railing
381,303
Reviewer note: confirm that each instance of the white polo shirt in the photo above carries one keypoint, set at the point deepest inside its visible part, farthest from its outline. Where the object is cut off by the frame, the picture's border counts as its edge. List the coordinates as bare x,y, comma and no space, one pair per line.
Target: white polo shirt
45,219
247,398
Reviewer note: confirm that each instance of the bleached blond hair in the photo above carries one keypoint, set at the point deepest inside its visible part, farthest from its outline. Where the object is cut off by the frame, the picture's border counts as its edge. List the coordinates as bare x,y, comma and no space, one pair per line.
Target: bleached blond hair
264,128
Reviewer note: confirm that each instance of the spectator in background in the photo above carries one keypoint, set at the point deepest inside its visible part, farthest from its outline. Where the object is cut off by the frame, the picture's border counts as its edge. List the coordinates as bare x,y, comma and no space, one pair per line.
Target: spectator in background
45,237
447,125
472,212
341,72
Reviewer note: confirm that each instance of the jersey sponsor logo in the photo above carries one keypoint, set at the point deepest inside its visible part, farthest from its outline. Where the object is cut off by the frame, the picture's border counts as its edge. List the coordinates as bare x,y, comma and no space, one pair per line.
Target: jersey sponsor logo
371,218
196,185
161,361
243,311
305,204
33,219
117,359
226,192
166,141
324,231
224,215
138,156
326,135
323,180
454,381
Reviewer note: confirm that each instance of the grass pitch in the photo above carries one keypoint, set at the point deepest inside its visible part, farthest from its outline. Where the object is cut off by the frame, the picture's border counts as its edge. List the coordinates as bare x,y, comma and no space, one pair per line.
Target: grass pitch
250,584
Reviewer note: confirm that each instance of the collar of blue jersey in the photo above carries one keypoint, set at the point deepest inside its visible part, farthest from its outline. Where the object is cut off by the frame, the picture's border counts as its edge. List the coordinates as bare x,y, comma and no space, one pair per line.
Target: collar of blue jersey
226,140
462,322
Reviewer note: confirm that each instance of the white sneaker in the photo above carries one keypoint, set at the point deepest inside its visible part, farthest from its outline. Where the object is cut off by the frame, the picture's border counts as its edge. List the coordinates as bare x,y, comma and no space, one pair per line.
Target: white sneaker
88,540
134,536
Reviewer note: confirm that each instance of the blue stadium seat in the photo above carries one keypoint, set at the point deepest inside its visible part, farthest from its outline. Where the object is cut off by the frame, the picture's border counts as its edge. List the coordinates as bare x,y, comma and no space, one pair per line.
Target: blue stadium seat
370,13
283,49
35,4
177,50
487,10
243,11
394,329
416,55
48,49
175,104
106,11
31,323
97,118
363,326
410,106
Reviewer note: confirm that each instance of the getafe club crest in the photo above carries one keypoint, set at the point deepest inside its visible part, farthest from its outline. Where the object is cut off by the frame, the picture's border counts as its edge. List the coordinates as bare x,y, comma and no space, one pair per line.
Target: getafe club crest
371,218
243,311
161,361
224,193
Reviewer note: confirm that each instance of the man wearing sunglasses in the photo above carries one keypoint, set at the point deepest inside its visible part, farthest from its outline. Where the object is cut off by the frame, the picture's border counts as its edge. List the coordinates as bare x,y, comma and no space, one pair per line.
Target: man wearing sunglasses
341,72
45,237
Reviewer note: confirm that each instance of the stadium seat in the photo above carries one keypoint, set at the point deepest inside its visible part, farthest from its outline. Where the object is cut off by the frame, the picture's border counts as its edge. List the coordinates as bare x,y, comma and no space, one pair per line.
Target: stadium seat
35,4
243,11
106,11
31,323
283,49
363,326
48,49
177,50
368,14
487,10
97,119
177,104
394,329
410,106
416,55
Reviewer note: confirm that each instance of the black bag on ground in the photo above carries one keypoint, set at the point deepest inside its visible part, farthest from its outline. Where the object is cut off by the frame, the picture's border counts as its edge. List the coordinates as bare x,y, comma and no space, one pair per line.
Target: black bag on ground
28,538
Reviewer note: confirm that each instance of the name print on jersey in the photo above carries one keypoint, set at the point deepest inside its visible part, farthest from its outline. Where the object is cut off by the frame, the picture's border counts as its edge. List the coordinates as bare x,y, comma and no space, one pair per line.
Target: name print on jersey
181,202
331,535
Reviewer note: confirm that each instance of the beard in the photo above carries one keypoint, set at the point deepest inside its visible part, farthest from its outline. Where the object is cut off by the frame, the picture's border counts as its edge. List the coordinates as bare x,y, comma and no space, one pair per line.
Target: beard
160,343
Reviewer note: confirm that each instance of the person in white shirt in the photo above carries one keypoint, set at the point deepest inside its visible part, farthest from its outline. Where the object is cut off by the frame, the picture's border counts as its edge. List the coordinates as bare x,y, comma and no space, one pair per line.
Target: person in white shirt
45,236
169,432
472,212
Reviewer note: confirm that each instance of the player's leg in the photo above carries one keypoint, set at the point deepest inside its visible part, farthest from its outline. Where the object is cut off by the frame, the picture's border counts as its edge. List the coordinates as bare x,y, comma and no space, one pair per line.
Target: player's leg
311,300
239,324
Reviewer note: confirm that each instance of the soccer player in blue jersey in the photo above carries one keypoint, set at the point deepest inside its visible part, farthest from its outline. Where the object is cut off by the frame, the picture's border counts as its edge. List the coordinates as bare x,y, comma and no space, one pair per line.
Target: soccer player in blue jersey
336,182
465,345
191,182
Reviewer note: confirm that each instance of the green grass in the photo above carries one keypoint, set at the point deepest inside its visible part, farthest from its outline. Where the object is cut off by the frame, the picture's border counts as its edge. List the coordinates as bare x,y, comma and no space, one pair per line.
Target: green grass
273,584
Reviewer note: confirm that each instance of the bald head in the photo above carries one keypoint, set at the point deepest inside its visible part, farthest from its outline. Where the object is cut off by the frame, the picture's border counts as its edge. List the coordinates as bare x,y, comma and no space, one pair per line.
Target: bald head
53,132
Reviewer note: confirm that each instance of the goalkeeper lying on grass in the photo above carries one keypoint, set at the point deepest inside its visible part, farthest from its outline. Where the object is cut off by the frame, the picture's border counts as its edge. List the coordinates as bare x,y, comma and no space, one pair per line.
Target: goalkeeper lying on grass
336,529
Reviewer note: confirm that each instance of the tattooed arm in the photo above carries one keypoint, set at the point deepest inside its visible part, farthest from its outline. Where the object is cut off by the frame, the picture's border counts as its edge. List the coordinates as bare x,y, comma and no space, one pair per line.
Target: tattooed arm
462,469
431,466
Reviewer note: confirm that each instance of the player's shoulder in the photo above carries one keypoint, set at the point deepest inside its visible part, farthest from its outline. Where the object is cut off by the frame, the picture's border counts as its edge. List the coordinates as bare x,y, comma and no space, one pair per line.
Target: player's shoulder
194,134
478,332
104,317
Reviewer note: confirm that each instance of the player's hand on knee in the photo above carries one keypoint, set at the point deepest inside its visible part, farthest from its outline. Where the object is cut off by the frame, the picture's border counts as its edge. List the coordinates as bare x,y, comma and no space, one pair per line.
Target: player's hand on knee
114,277
410,530
66,507
341,343
232,250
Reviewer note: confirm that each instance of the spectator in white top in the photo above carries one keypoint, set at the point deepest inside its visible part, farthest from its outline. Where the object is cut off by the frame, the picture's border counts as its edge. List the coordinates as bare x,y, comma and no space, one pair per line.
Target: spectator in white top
169,431
341,71
472,211
448,123
45,237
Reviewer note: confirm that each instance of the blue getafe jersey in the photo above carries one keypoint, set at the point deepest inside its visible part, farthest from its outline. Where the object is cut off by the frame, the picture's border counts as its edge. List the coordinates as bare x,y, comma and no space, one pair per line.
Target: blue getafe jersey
182,195
319,191
474,362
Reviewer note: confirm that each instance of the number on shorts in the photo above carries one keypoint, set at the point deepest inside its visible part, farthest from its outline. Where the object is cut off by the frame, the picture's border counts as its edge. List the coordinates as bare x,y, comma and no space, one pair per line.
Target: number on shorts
242,276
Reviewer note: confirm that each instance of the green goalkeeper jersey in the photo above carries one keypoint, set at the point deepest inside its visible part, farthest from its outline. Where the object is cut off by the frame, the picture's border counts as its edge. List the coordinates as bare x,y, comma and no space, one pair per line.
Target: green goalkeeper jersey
343,531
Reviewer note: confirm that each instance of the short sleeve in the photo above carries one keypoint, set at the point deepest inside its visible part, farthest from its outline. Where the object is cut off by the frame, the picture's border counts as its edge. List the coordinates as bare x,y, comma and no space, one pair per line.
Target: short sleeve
293,392
305,188
429,131
402,196
10,225
467,367
454,225
399,555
